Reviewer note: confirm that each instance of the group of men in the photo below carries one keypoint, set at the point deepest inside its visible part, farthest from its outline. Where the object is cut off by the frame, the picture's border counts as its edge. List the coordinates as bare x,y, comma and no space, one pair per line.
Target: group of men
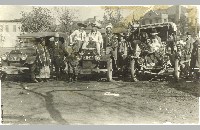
94,38
52,52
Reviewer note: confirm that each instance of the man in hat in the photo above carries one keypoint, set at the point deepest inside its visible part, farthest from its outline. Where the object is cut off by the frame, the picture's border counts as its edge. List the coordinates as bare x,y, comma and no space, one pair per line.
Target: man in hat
195,56
96,37
78,37
58,56
155,44
111,42
189,45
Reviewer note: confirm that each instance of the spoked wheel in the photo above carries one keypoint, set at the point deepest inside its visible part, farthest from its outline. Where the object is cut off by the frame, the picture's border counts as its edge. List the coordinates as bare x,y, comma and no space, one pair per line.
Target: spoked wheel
177,70
133,70
110,69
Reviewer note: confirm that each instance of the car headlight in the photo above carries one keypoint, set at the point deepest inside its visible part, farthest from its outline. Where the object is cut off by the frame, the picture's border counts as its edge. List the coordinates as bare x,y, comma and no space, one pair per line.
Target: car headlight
24,57
3,57
97,58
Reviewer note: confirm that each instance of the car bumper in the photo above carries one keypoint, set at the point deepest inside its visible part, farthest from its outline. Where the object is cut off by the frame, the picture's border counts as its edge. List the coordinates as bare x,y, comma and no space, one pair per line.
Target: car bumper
13,69
90,71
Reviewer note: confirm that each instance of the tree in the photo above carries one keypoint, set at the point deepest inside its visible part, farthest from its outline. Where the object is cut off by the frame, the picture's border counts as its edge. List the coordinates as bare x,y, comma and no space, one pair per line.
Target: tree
65,18
39,19
113,15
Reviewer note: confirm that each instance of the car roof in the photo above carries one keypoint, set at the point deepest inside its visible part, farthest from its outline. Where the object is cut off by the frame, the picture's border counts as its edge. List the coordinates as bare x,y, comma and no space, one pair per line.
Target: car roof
158,25
42,34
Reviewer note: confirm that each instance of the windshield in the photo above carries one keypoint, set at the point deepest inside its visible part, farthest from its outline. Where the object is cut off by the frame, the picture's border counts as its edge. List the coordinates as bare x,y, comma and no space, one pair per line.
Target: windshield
26,42
163,32
15,52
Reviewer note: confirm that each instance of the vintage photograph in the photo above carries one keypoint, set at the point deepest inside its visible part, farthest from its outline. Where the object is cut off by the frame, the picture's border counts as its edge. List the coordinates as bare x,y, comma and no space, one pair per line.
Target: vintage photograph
99,65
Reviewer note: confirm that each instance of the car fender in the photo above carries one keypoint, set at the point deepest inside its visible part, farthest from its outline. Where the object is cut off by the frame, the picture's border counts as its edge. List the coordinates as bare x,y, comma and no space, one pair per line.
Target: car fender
30,60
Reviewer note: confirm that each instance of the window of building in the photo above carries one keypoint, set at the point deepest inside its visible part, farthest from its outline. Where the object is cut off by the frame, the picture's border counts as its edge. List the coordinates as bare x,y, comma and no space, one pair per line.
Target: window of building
1,28
156,20
150,21
7,28
14,28
165,20
143,22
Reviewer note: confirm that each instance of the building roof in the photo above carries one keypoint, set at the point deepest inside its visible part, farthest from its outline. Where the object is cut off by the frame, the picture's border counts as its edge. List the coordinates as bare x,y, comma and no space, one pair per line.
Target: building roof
14,20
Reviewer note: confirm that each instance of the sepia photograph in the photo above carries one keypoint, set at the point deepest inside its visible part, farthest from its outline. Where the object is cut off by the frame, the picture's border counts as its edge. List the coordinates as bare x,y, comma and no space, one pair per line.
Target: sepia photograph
99,65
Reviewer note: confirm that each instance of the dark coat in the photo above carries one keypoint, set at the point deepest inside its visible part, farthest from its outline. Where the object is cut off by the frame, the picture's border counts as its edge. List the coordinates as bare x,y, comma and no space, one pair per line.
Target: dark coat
195,55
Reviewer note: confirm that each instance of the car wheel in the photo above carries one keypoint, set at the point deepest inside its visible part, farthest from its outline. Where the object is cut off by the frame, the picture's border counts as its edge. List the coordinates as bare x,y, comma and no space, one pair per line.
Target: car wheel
133,70
109,70
177,69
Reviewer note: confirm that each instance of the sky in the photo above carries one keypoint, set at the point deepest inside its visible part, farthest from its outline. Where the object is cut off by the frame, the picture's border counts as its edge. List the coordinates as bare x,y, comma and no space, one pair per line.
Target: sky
10,12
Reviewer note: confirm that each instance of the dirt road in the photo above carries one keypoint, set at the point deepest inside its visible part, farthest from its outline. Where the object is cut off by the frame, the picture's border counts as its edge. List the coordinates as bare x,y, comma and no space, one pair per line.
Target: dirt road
91,102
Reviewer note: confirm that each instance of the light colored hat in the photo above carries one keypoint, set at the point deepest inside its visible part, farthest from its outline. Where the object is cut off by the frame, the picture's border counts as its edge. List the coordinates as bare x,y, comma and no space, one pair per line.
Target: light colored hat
57,35
96,24
109,26
154,32
51,39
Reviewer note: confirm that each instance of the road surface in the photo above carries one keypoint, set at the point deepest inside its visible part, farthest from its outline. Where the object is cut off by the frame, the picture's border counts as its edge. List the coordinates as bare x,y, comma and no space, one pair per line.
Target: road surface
92,102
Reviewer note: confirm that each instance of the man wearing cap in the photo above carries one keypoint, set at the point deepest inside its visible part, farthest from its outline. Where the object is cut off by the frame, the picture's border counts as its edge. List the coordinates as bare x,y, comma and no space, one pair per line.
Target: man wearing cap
96,37
78,37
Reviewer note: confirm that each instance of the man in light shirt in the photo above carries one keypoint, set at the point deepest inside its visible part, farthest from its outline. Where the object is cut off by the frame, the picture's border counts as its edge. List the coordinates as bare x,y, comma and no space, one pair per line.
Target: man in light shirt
96,37
78,37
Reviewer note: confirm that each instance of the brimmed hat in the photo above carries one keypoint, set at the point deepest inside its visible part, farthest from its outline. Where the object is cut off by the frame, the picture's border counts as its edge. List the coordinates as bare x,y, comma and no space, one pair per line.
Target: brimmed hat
56,34
154,32
82,25
109,26
96,25
121,34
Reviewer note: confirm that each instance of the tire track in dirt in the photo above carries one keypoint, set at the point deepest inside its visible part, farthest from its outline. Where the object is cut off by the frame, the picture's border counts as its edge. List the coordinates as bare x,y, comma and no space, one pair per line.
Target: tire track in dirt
54,113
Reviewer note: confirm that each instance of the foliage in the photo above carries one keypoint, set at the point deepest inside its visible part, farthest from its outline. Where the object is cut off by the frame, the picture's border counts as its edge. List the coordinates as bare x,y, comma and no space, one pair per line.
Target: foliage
39,19
113,16
65,18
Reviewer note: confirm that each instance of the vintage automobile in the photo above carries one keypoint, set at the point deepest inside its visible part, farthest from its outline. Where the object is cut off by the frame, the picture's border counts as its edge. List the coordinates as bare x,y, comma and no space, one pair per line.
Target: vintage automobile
24,58
88,61
16,61
140,57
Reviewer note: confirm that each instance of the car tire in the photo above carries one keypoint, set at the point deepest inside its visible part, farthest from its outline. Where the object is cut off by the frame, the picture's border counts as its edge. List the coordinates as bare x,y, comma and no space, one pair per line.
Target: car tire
133,70
176,70
109,70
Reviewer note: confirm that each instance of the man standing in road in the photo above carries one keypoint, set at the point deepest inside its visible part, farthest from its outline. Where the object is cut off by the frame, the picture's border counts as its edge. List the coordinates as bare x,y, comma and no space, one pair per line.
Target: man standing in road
112,42
58,56
43,61
195,56
188,46
78,37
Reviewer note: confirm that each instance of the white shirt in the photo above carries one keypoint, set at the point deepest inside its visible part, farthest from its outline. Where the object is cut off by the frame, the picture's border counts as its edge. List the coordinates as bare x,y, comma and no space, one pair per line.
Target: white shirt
78,35
155,45
96,36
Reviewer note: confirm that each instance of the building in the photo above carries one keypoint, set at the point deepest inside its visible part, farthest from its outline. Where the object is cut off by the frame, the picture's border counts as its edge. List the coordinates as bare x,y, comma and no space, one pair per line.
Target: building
171,14
185,18
9,30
